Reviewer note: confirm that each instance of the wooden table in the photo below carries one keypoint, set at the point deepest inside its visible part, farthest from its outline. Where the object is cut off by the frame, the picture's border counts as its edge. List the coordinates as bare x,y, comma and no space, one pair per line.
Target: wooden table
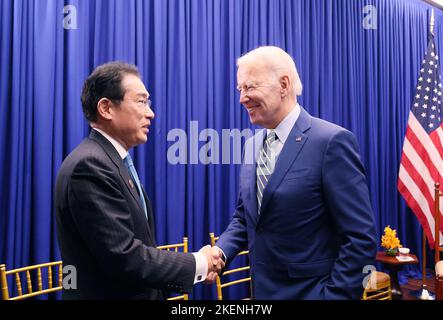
393,265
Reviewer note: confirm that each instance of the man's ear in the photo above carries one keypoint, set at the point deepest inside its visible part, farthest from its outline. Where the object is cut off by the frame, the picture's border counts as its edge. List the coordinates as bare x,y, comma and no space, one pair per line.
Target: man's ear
104,108
285,84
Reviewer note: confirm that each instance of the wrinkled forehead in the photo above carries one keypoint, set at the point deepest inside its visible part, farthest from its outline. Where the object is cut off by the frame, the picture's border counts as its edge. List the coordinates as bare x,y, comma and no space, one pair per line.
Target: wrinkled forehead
252,71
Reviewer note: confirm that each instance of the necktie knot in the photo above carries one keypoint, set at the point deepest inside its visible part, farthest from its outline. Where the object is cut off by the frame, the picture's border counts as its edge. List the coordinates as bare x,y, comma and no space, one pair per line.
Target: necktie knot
272,136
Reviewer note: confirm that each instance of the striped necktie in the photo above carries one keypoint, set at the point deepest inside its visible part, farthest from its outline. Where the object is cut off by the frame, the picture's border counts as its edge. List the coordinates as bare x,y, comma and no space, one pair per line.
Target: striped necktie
130,165
265,166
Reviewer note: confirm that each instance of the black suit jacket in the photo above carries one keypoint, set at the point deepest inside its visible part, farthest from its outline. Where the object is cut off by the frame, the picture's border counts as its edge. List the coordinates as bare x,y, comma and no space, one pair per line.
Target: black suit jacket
103,231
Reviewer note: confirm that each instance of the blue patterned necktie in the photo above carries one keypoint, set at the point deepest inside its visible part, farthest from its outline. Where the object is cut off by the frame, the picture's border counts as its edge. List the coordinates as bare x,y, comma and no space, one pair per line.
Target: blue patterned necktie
265,167
130,165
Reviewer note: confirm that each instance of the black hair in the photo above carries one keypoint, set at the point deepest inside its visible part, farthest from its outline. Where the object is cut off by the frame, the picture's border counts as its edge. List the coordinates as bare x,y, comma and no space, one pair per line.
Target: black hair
105,82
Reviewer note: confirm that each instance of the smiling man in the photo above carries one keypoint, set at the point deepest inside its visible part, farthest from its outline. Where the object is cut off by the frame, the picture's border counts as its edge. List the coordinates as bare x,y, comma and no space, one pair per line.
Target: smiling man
104,218
303,209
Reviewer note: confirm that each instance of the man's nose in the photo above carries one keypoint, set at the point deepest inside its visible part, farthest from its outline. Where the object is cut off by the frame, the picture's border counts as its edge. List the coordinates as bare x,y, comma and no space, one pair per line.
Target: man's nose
243,97
150,114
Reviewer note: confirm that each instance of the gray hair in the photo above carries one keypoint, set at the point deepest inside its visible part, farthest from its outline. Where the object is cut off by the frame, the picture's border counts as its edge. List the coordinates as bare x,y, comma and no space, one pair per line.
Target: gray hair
278,61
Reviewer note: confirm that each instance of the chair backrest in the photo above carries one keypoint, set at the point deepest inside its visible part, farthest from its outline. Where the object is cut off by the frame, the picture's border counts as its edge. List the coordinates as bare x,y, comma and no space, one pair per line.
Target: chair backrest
29,273
378,287
437,197
220,284
439,280
177,247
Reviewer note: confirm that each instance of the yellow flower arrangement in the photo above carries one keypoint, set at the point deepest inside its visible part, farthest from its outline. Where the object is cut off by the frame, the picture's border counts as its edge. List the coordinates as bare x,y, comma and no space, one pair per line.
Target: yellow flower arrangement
390,242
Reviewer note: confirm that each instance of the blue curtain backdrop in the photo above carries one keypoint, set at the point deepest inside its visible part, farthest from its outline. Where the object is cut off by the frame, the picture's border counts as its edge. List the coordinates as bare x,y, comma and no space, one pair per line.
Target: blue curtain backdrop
362,79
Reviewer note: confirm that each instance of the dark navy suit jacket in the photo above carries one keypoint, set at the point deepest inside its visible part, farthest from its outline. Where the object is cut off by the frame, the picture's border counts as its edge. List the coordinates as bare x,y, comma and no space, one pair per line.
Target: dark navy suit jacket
315,231
103,231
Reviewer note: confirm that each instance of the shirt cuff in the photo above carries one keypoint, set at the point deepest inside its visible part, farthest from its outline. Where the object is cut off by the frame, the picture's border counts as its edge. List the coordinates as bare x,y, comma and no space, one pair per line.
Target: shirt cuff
201,267
224,256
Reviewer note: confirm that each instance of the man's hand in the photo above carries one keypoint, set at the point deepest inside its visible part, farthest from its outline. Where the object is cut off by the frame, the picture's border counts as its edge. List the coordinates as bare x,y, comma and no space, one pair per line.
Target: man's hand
215,262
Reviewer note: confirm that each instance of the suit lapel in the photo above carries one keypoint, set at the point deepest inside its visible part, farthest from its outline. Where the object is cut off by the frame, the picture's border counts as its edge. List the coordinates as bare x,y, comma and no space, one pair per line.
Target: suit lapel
124,174
130,184
291,149
123,171
151,221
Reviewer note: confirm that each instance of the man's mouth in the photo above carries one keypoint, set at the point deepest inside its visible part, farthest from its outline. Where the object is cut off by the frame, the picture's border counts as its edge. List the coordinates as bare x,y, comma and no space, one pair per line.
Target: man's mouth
251,108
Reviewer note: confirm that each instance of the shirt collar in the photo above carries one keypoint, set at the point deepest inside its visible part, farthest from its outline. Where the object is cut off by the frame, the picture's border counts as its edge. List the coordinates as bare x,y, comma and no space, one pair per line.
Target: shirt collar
285,126
121,151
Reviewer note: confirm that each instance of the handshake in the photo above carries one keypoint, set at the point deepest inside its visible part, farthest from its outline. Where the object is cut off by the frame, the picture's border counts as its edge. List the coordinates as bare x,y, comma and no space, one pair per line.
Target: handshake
215,262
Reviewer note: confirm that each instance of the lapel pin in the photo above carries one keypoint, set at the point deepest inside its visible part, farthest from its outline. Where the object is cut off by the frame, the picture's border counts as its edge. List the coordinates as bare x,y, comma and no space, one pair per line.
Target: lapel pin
131,184
298,139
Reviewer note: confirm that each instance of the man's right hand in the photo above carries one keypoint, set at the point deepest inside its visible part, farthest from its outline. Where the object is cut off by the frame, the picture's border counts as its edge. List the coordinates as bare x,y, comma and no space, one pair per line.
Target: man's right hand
215,262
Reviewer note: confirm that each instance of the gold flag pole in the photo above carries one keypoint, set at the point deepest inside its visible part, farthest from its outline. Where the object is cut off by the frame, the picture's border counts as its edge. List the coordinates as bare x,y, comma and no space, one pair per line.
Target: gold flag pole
424,293
431,25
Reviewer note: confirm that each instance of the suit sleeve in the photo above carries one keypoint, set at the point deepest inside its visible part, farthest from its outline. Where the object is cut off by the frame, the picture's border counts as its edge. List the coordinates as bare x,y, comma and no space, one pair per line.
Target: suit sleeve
103,219
234,239
347,198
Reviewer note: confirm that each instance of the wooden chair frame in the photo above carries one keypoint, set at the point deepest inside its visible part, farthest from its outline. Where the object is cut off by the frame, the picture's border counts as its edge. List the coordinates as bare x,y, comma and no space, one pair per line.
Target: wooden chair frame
382,291
175,247
220,285
31,293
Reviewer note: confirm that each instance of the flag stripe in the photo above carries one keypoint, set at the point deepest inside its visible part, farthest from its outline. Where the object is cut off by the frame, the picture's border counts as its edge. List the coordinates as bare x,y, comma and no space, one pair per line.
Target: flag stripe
440,134
417,195
417,161
415,207
427,196
421,180
437,139
424,146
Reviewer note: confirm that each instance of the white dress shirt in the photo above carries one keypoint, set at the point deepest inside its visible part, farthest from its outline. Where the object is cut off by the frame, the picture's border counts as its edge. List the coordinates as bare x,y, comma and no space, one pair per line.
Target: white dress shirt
282,131
201,264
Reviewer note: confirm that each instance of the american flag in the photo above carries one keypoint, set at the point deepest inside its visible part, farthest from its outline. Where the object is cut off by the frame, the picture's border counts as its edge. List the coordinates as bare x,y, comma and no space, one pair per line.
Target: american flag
422,159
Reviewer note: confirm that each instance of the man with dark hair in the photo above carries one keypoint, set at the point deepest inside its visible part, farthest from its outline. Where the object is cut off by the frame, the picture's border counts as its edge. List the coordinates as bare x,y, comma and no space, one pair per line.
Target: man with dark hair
105,82
104,218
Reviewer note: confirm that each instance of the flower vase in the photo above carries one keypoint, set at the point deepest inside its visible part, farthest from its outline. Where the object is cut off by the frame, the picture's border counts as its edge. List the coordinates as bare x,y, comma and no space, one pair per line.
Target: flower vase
392,252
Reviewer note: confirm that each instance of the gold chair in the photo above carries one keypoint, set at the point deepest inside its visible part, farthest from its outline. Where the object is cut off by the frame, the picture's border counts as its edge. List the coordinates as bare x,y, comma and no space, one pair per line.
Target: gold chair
438,249
175,247
378,287
218,280
439,280
31,292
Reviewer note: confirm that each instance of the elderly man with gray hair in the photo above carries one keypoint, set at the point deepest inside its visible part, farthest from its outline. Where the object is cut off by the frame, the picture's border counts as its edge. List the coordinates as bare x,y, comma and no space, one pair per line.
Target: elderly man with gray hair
303,209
